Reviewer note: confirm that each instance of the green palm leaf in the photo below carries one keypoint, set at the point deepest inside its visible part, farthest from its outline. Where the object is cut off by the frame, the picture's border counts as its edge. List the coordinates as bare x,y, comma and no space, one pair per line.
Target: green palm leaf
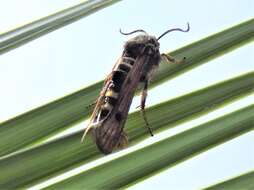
15,38
244,181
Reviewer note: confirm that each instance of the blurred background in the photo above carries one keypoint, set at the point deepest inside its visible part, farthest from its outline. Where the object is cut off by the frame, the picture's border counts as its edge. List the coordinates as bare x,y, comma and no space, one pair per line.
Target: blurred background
84,52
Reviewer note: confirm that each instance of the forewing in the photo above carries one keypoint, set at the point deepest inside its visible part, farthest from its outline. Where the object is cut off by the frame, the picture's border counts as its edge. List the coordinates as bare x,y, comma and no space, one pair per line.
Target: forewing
109,133
99,102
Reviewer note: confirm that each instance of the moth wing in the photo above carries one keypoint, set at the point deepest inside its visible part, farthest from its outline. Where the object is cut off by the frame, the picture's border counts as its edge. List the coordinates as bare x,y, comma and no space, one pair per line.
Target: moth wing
97,107
110,135
100,100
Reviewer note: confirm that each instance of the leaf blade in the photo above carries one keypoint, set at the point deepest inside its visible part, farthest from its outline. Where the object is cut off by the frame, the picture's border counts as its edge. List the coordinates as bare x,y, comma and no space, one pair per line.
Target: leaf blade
244,181
24,34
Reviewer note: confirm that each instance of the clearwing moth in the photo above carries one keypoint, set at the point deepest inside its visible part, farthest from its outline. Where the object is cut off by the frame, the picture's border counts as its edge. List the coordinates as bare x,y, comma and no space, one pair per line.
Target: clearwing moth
139,60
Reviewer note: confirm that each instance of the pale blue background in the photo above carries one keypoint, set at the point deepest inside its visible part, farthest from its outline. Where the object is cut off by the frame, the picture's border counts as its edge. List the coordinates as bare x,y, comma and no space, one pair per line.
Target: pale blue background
81,53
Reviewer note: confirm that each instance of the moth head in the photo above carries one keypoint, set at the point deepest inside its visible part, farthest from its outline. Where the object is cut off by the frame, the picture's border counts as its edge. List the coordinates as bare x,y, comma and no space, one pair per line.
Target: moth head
136,46
141,43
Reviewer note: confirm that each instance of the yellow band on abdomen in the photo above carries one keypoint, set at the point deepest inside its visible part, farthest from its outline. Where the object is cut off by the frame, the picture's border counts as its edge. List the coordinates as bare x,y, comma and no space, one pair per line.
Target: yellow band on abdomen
112,94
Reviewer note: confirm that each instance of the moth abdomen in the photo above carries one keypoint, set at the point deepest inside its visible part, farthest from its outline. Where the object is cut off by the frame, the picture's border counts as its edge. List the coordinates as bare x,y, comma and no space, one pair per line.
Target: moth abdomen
104,112
107,106
124,67
126,64
111,93
109,103
118,78
112,100
128,60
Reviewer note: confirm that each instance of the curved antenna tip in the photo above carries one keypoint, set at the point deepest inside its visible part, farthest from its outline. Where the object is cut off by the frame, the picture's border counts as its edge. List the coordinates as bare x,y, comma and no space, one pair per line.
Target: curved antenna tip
175,29
188,27
120,30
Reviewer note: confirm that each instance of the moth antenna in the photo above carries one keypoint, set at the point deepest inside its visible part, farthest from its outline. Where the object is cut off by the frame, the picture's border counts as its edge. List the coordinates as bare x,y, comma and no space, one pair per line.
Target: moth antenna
175,29
132,32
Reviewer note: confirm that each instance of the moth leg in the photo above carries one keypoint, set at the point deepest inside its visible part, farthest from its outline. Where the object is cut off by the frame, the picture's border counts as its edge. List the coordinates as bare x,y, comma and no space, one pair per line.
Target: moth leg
142,106
169,58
